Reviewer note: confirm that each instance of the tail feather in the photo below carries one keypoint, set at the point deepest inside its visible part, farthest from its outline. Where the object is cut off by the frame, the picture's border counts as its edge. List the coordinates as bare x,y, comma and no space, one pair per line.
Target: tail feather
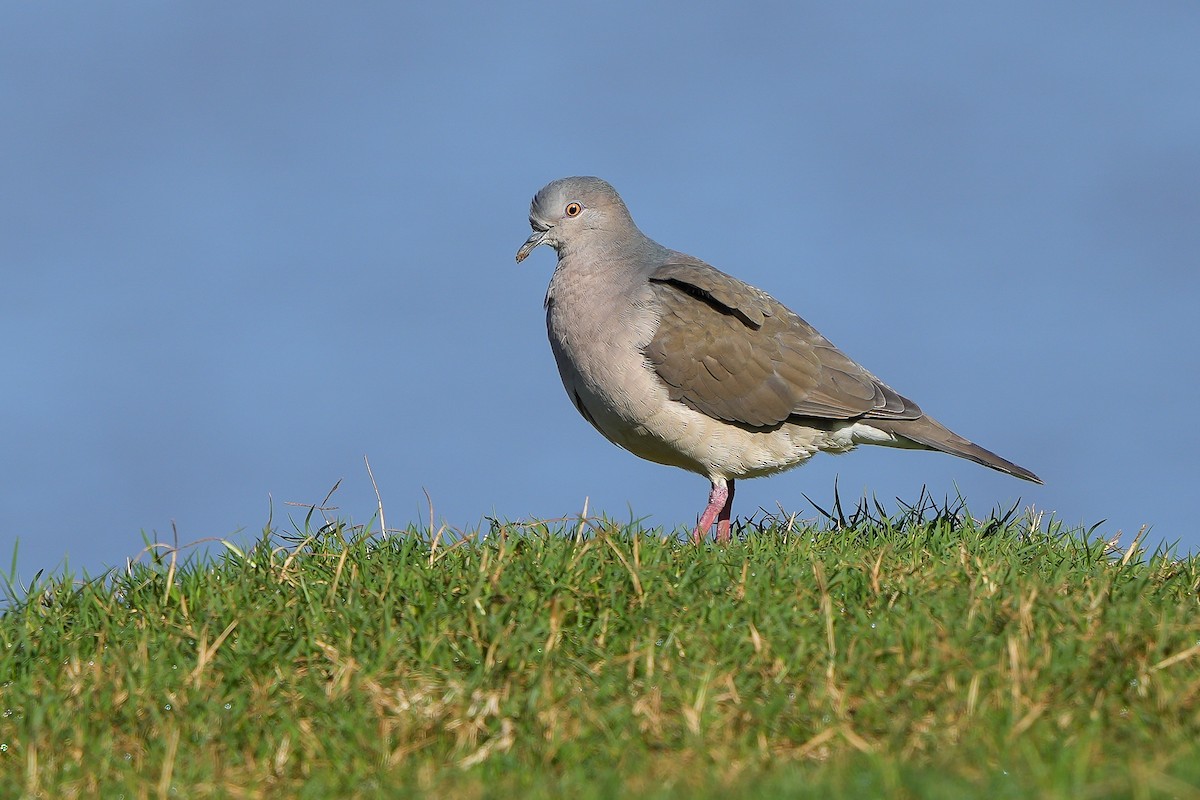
929,433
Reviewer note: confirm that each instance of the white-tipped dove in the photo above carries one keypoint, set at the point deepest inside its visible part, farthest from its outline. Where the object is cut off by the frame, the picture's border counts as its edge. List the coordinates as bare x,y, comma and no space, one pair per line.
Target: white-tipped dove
681,364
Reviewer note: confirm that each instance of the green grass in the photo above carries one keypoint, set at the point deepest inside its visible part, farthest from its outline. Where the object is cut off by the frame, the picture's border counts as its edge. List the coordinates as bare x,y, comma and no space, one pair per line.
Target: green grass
922,655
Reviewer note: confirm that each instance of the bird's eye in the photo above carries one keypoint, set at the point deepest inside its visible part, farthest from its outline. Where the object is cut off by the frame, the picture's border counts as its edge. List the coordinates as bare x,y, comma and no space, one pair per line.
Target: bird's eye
573,209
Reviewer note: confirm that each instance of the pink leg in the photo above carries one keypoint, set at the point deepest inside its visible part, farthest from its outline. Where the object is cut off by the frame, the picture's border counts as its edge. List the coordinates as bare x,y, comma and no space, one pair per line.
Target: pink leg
723,519
716,503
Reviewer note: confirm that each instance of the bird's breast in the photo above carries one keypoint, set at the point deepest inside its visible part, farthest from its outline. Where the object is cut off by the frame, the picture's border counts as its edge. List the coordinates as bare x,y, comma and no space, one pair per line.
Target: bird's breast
599,338
598,330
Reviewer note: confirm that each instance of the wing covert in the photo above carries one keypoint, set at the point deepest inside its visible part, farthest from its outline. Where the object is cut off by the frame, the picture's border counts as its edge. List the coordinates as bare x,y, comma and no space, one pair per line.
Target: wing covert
735,353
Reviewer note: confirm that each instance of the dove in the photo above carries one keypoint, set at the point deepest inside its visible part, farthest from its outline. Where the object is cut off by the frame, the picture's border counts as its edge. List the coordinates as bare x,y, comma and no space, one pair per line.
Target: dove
683,365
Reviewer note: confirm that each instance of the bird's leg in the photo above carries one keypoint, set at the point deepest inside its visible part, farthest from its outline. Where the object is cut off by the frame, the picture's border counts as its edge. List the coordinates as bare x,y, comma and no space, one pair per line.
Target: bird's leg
716,502
723,519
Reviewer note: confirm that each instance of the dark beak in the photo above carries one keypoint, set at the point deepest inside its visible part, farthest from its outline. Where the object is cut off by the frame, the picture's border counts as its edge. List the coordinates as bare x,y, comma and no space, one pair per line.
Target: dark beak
533,241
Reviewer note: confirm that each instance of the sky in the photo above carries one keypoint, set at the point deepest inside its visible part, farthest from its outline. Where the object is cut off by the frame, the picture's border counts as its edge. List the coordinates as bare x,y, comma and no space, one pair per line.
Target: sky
245,247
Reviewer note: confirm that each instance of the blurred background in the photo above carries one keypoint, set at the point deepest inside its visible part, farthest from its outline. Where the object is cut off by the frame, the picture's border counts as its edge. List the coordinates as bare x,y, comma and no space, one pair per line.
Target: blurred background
244,246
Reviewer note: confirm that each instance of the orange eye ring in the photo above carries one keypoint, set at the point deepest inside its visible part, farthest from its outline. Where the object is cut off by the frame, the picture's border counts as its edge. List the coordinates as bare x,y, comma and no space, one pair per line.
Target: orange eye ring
574,209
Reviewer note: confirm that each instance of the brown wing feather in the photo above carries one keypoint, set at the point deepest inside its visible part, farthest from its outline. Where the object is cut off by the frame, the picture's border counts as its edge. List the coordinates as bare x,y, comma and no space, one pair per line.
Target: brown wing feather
735,353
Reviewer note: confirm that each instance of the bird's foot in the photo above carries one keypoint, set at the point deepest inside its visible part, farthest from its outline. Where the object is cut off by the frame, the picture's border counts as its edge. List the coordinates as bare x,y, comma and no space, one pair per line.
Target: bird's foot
719,508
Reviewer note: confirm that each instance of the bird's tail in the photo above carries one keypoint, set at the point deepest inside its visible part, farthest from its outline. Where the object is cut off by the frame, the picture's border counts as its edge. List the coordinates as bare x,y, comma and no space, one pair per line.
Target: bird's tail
925,432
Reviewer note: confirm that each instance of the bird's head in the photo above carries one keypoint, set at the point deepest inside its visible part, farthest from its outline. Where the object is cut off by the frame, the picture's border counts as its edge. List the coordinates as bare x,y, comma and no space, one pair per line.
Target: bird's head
571,209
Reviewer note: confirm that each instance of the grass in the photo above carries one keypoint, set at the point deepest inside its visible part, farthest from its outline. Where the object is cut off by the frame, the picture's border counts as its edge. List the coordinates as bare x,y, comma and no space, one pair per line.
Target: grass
923,654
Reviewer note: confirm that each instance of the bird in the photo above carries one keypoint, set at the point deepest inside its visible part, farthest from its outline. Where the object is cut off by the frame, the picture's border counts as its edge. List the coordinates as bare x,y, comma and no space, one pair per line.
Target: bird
684,365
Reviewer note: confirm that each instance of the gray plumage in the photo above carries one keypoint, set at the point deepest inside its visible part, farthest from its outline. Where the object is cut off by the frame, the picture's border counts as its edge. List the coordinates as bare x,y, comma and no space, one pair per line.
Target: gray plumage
684,365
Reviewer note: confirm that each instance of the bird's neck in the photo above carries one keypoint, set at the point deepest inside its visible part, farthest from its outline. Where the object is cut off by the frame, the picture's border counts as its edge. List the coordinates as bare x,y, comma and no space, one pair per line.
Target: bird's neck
615,260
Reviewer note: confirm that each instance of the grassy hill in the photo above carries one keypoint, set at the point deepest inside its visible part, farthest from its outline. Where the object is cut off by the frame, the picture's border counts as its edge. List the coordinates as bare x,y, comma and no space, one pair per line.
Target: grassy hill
923,654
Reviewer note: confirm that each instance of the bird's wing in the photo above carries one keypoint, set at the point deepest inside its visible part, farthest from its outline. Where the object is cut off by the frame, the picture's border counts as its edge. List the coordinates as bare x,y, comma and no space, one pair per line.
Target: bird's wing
735,353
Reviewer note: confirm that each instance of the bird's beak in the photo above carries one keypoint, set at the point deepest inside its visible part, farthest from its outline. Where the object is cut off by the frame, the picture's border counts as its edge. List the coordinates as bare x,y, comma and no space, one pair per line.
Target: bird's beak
533,241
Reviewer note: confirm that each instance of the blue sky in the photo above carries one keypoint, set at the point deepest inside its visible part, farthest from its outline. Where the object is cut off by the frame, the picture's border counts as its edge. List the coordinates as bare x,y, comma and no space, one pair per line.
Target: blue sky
245,245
